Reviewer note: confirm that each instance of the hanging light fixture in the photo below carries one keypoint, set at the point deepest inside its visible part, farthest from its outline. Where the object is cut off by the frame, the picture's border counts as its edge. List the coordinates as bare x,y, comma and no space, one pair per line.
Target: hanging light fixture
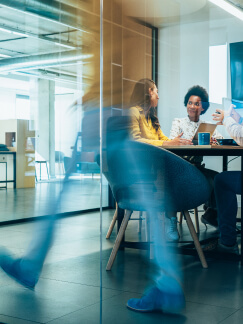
225,5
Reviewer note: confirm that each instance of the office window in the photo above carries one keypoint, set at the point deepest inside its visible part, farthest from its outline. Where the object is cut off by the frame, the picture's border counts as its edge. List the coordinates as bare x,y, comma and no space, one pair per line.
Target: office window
22,107
217,73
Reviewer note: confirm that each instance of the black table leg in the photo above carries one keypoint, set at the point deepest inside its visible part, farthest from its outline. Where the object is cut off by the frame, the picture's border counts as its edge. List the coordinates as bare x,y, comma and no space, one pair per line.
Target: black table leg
111,200
120,216
14,170
225,163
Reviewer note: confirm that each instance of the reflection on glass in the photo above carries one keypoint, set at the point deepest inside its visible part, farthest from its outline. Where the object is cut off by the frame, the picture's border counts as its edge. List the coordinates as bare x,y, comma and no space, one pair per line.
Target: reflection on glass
50,77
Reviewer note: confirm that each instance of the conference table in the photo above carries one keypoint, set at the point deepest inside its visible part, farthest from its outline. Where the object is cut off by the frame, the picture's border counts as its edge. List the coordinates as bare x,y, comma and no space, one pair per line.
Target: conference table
223,151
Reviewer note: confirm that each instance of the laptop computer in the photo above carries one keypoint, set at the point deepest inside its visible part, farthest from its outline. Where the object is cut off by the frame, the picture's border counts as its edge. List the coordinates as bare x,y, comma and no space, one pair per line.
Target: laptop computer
205,128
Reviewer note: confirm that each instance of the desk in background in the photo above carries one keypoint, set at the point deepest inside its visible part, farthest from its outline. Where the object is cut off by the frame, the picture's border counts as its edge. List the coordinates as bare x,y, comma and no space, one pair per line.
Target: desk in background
3,158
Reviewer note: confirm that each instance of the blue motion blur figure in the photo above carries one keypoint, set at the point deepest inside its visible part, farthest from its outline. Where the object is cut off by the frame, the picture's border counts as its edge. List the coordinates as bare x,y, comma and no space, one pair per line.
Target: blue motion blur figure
26,270
166,294
165,184
138,178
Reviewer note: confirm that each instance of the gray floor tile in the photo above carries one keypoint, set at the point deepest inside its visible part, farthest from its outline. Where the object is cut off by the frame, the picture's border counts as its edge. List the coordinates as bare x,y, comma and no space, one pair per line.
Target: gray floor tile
235,318
24,304
33,202
114,311
68,290
220,285
65,292
13,320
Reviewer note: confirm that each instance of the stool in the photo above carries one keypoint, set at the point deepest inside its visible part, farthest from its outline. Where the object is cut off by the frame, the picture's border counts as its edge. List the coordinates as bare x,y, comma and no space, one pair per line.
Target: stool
40,163
6,174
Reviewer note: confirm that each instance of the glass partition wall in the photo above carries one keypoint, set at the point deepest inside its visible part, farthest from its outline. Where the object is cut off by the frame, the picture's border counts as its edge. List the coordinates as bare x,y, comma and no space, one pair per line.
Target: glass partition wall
193,40
66,67
49,128
49,81
53,56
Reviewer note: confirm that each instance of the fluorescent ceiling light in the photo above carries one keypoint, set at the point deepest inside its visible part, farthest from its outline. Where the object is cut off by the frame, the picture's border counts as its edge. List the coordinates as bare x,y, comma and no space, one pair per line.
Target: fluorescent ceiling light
15,31
20,34
10,31
4,55
225,5
5,30
41,61
64,45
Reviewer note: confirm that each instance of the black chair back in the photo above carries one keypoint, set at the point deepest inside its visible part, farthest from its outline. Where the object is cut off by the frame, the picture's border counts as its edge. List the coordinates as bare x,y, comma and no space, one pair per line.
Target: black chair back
146,177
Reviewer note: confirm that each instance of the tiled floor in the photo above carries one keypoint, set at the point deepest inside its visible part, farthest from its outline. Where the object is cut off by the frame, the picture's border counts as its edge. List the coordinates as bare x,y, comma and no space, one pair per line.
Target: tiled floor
68,291
83,193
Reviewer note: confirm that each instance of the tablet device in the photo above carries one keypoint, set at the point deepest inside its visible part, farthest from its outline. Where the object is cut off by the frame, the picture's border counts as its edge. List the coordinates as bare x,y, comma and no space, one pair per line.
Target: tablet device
205,128
227,141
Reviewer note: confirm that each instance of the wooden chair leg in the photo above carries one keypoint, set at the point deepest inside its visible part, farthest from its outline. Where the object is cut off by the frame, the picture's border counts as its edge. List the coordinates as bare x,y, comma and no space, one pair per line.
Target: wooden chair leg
195,239
181,218
196,220
119,237
112,223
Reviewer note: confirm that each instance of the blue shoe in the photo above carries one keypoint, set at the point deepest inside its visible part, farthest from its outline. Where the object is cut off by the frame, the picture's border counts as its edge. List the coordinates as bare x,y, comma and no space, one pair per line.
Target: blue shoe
13,268
171,229
157,300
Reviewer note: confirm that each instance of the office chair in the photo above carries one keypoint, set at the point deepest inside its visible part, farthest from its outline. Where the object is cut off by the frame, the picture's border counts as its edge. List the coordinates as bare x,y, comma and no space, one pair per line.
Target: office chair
144,177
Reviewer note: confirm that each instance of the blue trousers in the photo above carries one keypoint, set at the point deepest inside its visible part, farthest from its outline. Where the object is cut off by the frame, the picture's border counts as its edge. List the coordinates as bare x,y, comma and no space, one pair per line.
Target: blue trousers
227,186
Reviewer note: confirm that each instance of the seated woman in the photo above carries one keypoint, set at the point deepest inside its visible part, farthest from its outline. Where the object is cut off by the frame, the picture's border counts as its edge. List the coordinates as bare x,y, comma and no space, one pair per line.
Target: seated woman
227,186
197,103
145,128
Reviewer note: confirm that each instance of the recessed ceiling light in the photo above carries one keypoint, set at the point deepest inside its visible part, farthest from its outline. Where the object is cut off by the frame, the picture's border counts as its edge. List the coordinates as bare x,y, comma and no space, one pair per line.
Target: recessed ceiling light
233,10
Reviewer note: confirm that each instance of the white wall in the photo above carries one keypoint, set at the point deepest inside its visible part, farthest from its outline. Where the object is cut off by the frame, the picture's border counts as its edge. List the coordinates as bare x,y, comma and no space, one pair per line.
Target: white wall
182,49
184,62
67,121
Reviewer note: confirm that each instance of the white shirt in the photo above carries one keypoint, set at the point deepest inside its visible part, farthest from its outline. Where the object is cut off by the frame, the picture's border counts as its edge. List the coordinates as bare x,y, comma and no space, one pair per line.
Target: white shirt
188,128
233,124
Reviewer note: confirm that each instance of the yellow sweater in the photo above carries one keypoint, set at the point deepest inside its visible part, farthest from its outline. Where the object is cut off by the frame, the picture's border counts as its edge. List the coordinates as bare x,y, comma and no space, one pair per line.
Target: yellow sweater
142,129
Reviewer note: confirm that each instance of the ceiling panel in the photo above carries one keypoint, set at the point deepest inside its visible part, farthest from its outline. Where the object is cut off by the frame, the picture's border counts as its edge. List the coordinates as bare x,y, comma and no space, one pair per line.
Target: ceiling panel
48,27
53,26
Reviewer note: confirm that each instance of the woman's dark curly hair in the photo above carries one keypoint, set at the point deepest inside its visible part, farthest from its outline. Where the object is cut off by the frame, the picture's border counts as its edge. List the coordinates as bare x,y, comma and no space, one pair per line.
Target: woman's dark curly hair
199,92
141,97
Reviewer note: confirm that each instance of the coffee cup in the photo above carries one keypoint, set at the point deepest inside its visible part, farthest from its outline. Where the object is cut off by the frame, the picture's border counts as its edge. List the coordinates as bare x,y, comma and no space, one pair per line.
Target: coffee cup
203,138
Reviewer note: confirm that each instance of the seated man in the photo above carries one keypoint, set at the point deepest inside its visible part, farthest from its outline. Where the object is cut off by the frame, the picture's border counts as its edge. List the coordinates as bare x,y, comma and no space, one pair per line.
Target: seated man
227,186
197,103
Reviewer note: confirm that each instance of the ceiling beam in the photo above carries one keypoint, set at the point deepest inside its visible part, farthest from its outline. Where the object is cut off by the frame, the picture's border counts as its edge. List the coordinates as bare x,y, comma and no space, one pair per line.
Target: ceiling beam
54,11
42,60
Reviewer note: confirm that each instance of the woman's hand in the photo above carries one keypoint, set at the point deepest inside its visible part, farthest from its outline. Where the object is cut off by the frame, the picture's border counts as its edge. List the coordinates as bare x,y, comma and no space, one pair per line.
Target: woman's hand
218,116
178,141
